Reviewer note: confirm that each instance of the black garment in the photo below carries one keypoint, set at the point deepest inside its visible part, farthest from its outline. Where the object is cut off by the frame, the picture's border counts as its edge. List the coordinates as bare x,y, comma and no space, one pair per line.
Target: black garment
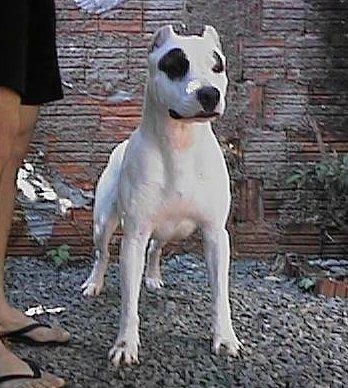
28,57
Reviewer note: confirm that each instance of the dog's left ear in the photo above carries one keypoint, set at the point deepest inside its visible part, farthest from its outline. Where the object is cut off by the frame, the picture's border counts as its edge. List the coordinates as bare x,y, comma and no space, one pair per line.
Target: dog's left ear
211,33
161,35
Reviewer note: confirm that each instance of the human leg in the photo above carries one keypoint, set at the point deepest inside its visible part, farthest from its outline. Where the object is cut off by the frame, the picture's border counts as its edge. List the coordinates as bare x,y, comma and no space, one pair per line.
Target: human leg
16,125
17,139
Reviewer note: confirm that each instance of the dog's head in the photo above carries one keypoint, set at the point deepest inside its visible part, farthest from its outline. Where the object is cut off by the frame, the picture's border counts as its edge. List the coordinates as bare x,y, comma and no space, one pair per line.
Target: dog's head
187,74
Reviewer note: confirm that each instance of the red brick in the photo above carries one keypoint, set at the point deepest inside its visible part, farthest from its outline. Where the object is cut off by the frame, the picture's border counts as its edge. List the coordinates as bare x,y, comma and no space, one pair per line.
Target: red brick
121,121
77,26
133,26
81,215
326,287
71,169
250,205
120,110
341,289
256,100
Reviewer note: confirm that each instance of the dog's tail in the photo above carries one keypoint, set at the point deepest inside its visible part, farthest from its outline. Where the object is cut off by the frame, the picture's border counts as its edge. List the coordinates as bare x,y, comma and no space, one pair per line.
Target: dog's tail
105,214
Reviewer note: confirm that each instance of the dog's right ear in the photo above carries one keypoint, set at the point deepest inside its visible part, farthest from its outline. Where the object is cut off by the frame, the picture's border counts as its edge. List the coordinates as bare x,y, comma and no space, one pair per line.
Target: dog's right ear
160,37
211,33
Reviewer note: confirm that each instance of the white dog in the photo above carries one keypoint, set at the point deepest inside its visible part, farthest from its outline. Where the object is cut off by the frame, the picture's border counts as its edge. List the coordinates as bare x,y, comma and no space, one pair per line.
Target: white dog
168,179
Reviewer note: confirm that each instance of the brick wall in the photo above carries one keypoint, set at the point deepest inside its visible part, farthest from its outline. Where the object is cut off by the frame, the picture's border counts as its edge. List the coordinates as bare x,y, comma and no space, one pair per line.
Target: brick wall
103,68
292,64
287,61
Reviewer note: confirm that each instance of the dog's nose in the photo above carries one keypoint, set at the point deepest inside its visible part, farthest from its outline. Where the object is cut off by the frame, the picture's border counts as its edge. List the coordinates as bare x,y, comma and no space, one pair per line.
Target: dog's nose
208,96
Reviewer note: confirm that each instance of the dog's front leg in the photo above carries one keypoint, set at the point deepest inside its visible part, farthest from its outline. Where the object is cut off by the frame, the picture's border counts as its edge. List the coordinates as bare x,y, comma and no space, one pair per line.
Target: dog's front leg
132,260
217,253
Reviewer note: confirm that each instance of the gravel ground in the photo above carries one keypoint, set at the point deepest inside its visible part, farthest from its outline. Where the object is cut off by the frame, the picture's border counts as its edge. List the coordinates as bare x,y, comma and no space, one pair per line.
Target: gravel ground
291,339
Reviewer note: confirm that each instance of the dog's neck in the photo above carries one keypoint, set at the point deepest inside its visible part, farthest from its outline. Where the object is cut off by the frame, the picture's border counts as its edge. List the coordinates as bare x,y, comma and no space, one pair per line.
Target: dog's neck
172,135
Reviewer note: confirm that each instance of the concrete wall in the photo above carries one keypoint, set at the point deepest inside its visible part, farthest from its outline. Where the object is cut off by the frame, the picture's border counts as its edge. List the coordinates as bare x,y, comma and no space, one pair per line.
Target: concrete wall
287,62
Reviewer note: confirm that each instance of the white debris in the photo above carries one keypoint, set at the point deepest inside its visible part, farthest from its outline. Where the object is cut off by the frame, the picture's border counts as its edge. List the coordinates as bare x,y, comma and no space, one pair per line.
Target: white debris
39,310
273,278
64,205
34,187
98,6
68,84
25,186
119,97
29,167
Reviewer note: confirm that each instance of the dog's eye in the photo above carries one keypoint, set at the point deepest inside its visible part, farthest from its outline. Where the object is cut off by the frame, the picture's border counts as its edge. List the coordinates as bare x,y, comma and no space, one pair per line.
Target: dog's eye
219,65
174,64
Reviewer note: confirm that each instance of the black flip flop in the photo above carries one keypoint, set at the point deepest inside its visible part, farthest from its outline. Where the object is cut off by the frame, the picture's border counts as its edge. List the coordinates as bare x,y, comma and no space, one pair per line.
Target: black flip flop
35,369
20,336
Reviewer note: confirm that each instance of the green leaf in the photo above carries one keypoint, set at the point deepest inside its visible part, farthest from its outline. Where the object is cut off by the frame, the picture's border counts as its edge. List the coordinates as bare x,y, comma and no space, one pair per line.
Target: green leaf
64,255
345,179
57,261
293,178
322,170
306,283
59,255
345,160
51,252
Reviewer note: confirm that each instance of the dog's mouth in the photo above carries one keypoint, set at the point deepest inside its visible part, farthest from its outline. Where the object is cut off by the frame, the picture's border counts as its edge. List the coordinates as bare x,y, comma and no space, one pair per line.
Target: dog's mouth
200,115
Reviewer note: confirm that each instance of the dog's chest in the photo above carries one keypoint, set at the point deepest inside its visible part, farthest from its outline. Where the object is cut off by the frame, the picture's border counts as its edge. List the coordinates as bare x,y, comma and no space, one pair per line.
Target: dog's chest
176,216
179,208
184,176
173,190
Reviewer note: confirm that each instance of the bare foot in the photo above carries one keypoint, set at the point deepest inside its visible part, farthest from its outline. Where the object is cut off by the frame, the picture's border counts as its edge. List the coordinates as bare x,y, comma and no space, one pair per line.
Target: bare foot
12,365
12,319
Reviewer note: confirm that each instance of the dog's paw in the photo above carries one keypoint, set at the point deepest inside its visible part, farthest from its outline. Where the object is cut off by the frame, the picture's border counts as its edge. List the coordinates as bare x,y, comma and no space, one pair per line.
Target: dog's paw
231,344
153,284
92,287
124,353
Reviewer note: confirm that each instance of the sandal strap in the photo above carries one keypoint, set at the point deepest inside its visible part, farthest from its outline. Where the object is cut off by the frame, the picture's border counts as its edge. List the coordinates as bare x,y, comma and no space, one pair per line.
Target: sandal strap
32,365
23,330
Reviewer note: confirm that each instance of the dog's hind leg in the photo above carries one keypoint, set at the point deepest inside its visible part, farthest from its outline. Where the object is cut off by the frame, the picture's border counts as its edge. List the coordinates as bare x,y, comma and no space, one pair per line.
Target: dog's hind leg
104,227
153,279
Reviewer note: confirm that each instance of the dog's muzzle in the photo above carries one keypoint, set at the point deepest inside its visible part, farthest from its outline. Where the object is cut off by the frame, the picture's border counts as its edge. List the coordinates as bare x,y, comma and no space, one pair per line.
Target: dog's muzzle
201,115
208,97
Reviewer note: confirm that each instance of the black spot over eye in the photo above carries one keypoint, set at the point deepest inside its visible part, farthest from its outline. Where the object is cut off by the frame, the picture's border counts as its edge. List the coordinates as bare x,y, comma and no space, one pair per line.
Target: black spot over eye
219,65
174,64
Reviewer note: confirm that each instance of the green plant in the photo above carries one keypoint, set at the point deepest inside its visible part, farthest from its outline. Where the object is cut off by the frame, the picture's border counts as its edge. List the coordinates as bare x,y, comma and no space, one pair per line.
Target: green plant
330,174
306,284
59,255
321,192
